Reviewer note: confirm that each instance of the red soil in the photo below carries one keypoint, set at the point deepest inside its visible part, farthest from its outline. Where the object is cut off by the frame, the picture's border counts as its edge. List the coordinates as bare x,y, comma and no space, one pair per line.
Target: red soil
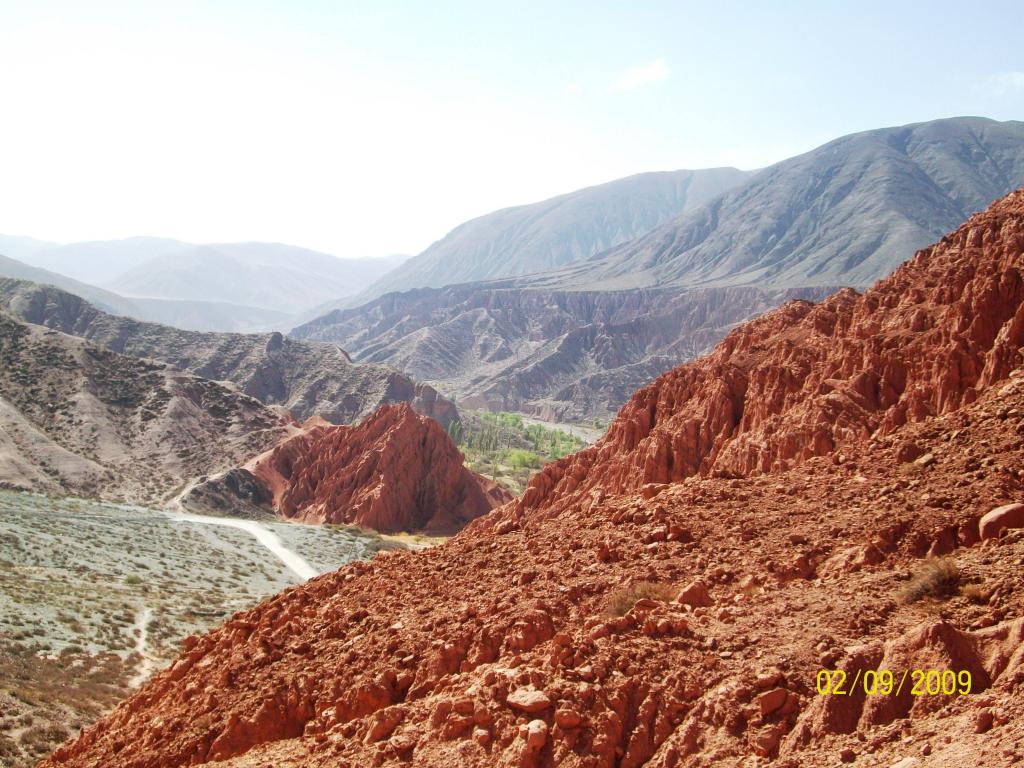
793,482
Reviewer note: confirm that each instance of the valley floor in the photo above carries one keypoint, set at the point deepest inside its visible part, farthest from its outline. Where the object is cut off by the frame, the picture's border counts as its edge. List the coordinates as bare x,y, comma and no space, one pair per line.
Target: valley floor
96,597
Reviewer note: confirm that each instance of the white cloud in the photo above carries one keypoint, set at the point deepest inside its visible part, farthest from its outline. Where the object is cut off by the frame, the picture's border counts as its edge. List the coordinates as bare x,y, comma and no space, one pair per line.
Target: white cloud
573,89
638,77
1004,83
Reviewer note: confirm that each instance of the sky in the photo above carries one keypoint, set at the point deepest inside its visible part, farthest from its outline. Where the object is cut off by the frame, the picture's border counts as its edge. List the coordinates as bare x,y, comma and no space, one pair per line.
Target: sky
373,128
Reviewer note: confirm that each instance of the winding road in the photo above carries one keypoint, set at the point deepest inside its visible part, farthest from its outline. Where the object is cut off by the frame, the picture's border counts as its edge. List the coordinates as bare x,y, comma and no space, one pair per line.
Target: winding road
295,562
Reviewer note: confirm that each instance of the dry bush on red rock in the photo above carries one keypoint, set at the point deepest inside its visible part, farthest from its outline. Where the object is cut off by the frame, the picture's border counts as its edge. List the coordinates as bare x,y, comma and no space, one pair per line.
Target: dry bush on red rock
976,593
936,577
624,598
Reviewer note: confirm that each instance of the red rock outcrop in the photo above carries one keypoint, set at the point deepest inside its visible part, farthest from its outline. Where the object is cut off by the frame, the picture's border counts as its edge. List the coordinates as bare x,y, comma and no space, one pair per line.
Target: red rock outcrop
809,379
397,471
554,633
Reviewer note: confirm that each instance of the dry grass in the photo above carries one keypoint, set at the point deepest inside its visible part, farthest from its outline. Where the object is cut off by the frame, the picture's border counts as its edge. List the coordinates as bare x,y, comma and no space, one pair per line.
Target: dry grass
411,540
624,598
937,577
976,593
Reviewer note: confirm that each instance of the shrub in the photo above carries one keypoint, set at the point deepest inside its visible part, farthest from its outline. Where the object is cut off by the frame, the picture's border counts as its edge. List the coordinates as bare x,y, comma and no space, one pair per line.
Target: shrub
976,593
624,598
520,459
132,580
937,577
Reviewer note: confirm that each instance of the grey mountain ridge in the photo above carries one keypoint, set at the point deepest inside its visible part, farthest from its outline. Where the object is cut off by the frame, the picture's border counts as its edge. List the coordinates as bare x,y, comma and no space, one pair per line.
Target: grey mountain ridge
554,342
552,233
846,213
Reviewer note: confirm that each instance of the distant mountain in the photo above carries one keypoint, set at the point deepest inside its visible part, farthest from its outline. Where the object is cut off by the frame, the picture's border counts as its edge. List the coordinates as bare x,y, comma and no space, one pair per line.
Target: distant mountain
846,213
187,315
281,278
15,247
223,287
307,379
105,300
556,232
100,261
216,316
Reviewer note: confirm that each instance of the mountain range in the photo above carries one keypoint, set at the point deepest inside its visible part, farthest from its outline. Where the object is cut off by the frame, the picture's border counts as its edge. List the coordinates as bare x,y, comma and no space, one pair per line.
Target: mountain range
561,308
846,213
306,379
558,342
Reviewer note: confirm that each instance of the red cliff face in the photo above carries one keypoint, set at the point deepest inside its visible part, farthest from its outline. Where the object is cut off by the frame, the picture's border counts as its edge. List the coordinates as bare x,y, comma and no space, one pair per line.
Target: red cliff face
809,379
397,471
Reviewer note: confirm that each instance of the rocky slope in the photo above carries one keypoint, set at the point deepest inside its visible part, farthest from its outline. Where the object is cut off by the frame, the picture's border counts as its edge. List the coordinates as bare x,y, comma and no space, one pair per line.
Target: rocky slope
808,379
610,621
555,354
79,419
307,379
556,232
395,472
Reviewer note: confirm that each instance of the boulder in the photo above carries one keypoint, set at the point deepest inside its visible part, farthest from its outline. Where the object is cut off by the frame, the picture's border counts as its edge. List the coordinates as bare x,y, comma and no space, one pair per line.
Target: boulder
772,700
695,594
999,519
528,700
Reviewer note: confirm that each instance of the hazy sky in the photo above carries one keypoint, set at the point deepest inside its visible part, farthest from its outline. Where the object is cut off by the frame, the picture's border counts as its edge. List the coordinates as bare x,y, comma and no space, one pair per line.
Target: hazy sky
367,128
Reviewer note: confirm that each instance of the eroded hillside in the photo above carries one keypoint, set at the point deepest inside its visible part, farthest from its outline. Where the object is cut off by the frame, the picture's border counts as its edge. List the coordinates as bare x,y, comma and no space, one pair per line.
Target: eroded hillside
79,419
307,379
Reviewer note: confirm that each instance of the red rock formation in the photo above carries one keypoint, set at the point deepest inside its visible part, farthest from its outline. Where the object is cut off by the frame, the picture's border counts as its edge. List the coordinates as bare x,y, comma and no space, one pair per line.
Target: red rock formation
810,379
554,633
397,471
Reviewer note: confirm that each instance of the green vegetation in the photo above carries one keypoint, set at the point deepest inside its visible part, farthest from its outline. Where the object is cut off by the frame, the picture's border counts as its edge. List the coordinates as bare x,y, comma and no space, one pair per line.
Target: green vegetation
520,459
503,447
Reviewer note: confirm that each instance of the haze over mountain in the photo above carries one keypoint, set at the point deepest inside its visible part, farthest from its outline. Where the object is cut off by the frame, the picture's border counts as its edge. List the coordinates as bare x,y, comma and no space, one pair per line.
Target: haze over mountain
99,261
105,300
559,231
555,343
234,287
272,276
186,315
16,247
